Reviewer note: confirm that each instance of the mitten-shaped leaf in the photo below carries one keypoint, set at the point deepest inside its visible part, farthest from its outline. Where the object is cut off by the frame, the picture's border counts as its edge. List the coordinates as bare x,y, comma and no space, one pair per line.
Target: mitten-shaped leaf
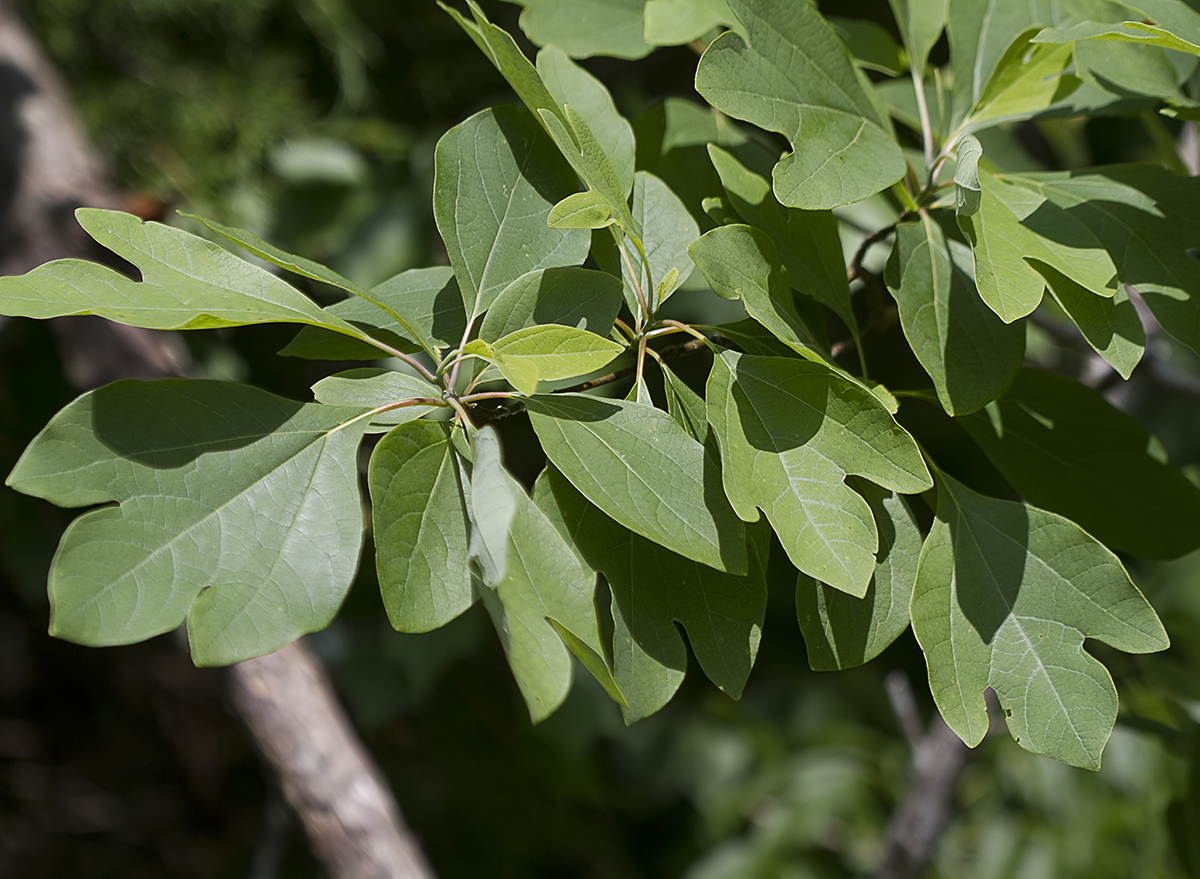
792,75
790,432
1005,596
236,509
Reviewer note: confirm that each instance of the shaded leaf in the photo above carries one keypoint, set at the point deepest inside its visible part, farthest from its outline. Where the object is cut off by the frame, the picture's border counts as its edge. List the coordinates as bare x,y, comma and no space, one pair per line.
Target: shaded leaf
583,28
685,405
841,631
741,262
1066,449
790,431
921,23
1028,79
1168,24
421,527
807,241
568,83
579,145
652,588
1111,326
236,509
639,467
971,355
572,297
795,77
431,295
870,44
496,178
1005,596
493,505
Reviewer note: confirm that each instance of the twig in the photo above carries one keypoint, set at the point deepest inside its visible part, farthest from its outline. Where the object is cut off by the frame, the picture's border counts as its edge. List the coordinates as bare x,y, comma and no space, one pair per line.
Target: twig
856,269
938,758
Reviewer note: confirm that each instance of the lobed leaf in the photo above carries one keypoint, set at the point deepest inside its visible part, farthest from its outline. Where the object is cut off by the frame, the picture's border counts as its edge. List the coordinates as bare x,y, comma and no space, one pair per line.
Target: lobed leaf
229,507
790,432
792,75
1005,596
652,588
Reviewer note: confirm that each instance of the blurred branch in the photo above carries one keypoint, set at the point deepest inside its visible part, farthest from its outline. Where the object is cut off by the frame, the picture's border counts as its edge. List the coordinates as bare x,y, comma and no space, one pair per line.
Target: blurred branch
938,758
47,170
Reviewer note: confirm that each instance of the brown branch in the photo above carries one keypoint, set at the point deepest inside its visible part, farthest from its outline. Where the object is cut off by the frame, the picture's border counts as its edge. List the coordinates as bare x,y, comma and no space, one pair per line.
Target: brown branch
285,699
938,758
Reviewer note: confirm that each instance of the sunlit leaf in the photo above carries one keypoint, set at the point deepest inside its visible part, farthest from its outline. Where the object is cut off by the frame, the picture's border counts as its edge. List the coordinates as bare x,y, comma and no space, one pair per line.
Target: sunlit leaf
795,77
1005,596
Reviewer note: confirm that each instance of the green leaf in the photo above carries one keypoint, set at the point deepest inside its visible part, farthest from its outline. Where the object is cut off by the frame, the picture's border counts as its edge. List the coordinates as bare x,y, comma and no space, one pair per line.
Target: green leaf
369,388
652,588
568,83
1146,219
1111,326
1068,450
790,432
1005,596
493,505
307,268
639,467
573,297
967,191
971,355
870,44
685,405
583,28
1167,24
235,509
419,507
807,241
496,178
579,145
921,23
675,22
795,77
510,61
582,210
1015,231
1028,79
668,229
549,353
187,284
545,606
841,631
431,295
741,262
979,32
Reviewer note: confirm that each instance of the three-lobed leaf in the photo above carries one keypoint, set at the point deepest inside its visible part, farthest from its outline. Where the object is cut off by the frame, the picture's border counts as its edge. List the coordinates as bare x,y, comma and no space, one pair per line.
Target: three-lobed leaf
790,432
1005,596
236,510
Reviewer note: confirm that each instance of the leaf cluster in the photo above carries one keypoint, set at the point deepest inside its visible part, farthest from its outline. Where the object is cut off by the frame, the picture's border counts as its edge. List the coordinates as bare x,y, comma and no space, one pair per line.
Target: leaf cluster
577,254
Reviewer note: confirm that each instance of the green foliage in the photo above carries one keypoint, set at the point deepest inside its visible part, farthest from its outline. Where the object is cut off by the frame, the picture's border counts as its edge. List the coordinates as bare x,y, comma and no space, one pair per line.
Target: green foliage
240,511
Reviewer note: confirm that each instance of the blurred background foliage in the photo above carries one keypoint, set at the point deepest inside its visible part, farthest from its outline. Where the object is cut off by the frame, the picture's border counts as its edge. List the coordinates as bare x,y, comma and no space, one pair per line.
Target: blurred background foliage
313,123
